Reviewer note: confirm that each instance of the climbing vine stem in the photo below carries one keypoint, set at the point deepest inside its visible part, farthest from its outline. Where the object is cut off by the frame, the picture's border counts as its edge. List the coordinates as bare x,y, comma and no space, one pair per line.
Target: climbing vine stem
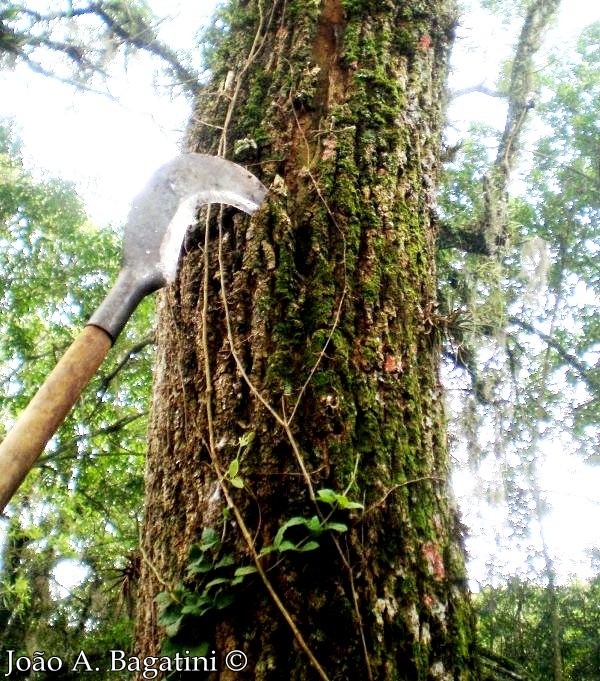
255,49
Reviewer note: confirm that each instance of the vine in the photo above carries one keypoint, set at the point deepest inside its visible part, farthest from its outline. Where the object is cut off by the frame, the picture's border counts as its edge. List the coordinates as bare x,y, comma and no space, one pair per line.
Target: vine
257,45
213,579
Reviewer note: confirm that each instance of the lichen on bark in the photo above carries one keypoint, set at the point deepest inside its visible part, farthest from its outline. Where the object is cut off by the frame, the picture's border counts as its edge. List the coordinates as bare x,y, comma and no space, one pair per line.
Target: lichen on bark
329,292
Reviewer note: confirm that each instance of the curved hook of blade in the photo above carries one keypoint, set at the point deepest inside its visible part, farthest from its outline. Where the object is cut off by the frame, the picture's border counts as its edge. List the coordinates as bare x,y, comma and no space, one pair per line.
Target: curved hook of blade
160,215
158,220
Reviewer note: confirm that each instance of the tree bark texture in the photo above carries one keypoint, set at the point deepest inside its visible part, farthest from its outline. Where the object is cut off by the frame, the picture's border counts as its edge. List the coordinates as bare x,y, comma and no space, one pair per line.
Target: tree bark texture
298,352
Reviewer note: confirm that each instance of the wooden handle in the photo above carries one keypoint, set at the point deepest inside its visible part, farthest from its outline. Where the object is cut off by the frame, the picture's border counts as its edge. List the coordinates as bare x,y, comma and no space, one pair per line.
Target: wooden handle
43,415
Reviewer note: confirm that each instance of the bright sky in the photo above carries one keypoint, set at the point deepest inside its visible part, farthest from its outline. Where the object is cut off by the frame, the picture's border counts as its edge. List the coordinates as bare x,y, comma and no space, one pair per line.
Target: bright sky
571,487
110,149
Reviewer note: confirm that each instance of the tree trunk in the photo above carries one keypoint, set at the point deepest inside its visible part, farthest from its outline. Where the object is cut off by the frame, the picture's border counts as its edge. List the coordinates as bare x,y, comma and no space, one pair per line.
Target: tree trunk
298,352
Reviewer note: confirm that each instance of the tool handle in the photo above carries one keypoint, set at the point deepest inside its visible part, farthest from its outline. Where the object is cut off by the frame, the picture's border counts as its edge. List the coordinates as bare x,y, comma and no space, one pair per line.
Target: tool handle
48,408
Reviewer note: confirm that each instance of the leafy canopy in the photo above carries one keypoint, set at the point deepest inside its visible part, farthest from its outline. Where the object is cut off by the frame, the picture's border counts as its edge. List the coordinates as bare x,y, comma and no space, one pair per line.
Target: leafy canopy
80,506
76,41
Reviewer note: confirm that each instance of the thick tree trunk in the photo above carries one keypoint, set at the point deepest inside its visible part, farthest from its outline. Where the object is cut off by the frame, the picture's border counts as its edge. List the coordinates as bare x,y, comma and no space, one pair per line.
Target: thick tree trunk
327,299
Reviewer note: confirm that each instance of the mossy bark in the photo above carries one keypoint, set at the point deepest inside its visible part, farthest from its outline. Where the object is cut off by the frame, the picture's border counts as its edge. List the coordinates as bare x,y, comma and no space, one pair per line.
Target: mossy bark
330,294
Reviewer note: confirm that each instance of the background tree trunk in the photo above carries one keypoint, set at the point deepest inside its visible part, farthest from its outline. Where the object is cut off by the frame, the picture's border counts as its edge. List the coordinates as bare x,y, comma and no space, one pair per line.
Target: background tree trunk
327,299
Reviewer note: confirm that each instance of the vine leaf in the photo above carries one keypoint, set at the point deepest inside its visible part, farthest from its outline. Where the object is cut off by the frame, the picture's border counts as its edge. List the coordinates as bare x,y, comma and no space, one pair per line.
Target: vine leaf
336,500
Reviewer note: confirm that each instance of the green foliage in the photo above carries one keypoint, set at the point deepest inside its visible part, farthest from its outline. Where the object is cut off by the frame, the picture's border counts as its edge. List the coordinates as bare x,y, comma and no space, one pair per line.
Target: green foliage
79,508
212,578
76,41
514,623
337,501
314,526
506,9
529,337
233,470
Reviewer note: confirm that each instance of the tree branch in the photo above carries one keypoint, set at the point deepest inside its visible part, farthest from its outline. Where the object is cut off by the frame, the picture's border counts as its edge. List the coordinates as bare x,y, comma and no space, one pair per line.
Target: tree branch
470,239
88,56
145,39
520,102
501,667
38,68
480,88
490,232
129,354
572,360
107,430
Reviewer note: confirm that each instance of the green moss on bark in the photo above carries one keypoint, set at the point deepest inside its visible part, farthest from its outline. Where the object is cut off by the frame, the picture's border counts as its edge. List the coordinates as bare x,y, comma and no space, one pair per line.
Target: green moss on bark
344,108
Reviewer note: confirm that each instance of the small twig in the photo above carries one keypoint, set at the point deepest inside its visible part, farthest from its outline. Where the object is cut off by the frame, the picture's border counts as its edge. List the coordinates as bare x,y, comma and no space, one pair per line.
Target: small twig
353,477
300,460
122,362
107,430
258,43
393,488
480,89
585,373
72,82
155,572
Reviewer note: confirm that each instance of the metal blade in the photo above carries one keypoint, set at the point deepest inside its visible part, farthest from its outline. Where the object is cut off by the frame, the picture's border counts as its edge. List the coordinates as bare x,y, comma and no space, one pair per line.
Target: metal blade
161,214
157,223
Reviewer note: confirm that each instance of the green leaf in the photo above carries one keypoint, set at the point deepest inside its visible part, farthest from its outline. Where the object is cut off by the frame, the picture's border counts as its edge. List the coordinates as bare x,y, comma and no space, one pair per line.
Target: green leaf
210,539
172,629
247,439
197,609
201,650
314,525
266,550
287,546
233,469
226,561
223,600
170,648
245,570
216,582
292,522
309,546
327,496
164,599
200,566
350,505
237,482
